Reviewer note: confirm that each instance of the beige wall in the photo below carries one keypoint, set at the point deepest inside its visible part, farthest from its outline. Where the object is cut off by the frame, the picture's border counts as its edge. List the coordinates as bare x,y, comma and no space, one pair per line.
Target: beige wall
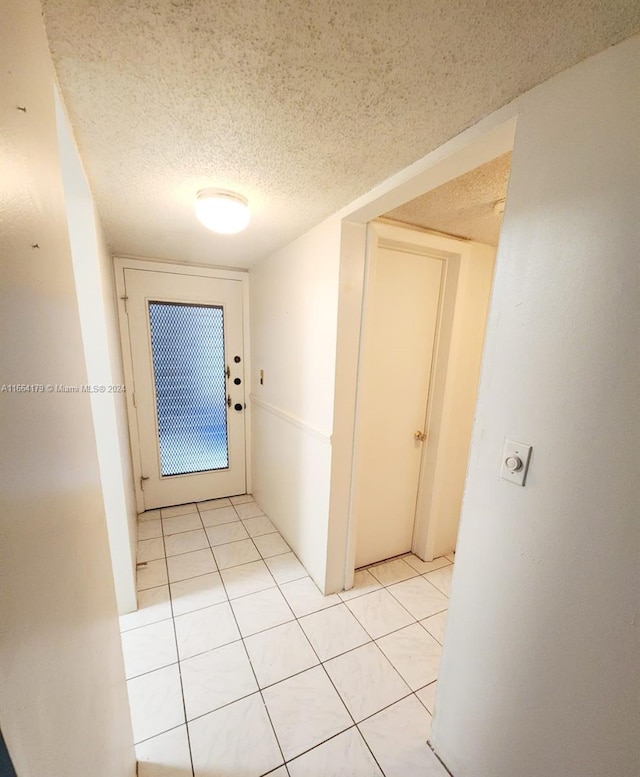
539,673
293,336
95,292
63,703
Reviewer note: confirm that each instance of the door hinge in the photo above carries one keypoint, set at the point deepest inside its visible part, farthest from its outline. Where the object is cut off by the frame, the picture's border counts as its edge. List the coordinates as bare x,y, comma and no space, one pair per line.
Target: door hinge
142,479
124,298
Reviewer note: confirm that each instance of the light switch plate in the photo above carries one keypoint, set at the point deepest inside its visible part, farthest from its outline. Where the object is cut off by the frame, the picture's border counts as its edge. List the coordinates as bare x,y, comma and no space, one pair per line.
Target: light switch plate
515,462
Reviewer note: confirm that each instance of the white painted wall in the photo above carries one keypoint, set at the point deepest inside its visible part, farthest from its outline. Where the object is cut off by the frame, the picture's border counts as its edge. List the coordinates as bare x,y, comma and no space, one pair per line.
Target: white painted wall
64,707
95,290
294,302
539,673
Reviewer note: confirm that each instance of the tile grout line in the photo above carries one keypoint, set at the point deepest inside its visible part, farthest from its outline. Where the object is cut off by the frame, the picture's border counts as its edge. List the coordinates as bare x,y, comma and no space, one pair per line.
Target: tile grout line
296,619
355,725
175,636
255,677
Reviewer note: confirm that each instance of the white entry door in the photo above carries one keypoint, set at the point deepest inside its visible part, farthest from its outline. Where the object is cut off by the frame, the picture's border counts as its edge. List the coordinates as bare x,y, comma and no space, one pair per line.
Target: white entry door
185,334
398,336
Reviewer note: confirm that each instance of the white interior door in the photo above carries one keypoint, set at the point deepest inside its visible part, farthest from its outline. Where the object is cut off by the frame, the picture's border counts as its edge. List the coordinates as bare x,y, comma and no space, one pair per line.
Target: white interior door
399,329
188,369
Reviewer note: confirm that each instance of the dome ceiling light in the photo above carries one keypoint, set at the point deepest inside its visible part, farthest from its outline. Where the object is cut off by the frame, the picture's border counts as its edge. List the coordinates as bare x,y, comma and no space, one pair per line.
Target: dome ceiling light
222,211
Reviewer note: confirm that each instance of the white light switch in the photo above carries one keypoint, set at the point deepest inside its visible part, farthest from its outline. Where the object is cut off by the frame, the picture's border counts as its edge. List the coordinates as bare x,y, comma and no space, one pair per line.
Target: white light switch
515,462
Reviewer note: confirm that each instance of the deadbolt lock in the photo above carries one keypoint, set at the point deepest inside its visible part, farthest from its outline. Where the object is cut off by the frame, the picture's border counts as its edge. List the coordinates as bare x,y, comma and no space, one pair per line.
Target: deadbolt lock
420,436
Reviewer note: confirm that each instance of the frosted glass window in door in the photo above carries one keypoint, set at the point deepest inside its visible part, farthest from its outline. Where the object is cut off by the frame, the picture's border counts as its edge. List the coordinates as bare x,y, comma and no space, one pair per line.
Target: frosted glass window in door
187,346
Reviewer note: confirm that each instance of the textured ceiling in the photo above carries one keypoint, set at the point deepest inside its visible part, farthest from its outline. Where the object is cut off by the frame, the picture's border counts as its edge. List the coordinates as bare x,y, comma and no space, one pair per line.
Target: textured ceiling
301,106
465,207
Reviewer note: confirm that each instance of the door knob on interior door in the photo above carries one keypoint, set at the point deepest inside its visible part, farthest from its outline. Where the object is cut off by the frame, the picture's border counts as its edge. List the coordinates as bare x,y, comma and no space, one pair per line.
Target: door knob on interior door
420,436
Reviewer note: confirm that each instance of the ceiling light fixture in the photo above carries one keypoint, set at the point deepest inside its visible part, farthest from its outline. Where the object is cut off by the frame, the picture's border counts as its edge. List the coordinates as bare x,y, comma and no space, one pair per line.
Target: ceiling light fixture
222,211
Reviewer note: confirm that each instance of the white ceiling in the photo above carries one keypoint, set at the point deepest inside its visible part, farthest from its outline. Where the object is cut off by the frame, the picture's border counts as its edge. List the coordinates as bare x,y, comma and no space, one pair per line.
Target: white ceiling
302,106
465,207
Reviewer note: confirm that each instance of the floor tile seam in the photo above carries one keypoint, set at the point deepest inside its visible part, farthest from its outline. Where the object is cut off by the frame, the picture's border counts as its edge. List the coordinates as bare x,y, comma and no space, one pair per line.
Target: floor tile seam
325,609
193,577
444,566
210,509
183,531
379,563
155,669
357,596
255,677
444,593
178,515
382,709
351,716
395,582
345,704
262,534
380,636
142,625
442,763
268,588
288,677
320,664
387,659
313,612
166,731
401,557
293,580
243,539
328,739
275,555
182,660
262,558
175,636
231,542
140,590
184,552
324,741
147,560
223,706
427,630
223,523
415,693
293,618
407,609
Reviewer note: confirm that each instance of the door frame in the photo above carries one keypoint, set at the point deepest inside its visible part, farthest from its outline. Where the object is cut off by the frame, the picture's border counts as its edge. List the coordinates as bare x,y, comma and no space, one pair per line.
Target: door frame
122,263
481,143
385,234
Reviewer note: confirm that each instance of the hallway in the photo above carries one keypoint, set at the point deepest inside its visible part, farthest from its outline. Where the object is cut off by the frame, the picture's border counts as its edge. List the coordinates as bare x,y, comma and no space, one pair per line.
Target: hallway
233,637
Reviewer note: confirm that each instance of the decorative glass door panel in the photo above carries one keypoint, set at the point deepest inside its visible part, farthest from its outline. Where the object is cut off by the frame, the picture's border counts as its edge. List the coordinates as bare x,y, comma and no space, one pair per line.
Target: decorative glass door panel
187,345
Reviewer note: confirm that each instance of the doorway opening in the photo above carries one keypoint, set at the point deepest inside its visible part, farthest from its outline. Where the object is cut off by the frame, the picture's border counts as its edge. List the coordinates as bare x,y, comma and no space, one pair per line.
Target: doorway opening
427,288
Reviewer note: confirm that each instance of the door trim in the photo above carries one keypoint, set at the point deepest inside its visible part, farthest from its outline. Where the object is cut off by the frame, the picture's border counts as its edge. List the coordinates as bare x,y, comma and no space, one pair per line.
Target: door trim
125,263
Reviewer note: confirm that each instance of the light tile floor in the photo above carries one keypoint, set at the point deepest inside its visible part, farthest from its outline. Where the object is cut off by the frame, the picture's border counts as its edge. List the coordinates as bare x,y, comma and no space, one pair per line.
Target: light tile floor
237,666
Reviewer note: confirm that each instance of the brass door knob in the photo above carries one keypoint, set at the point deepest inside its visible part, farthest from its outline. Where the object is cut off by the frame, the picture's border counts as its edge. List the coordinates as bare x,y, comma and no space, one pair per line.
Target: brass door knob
420,436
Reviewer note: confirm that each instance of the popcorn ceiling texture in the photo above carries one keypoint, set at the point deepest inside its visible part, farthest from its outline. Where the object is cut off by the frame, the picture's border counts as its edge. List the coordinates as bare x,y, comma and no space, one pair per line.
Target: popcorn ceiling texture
301,106
465,206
